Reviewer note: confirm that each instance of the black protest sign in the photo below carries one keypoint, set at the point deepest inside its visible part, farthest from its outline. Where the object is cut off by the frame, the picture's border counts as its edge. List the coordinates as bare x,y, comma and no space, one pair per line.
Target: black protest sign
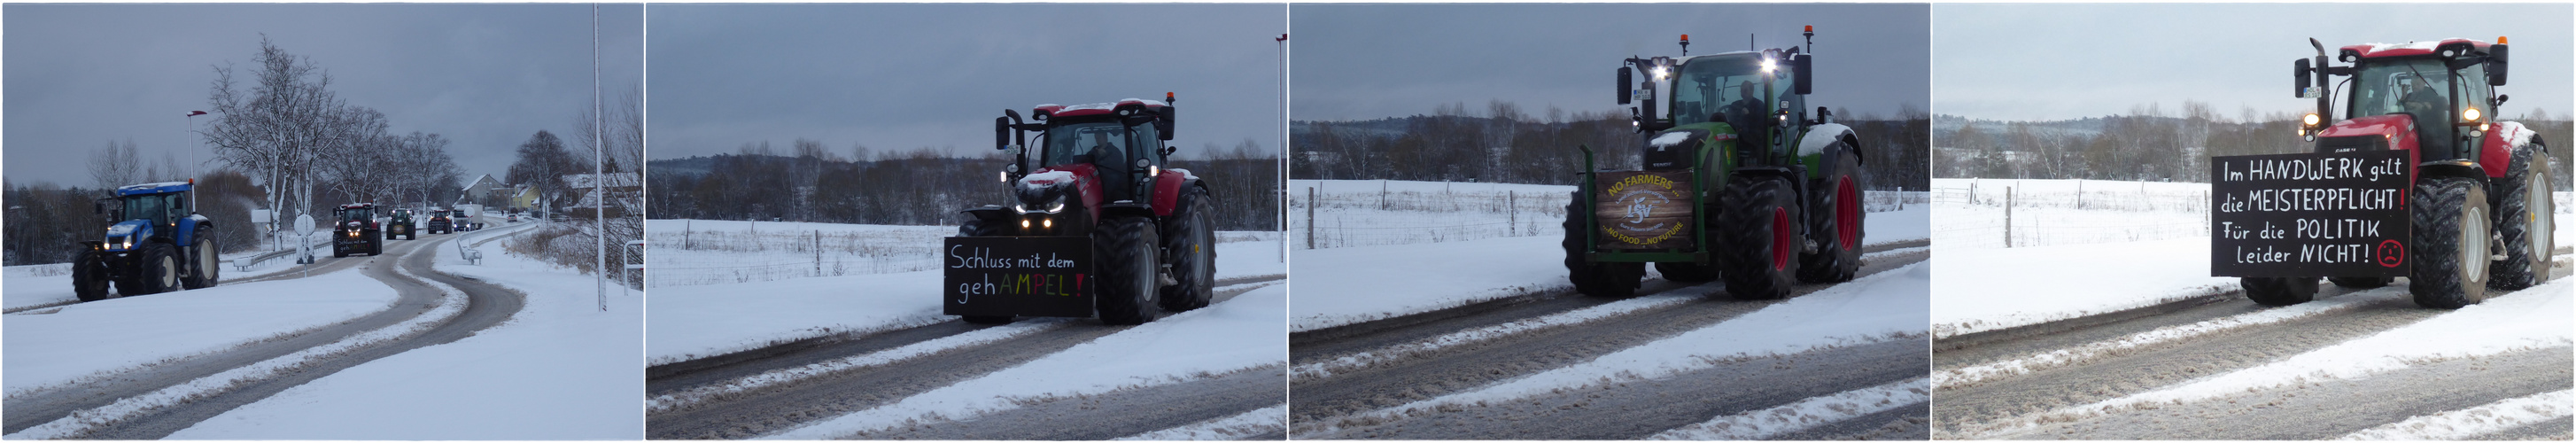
1032,276
2337,214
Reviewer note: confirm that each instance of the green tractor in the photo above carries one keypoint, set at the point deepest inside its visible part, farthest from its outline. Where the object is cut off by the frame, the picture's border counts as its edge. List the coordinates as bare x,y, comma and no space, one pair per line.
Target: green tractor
1739,181
402,226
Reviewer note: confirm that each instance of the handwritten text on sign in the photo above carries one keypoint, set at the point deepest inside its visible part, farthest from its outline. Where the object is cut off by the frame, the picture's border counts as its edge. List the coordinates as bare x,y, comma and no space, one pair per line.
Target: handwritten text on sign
2340,214
1032,276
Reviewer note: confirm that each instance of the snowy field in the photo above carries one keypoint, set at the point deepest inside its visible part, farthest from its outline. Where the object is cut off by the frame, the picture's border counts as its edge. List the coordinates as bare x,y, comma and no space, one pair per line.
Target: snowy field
561,369
2120,248
708,252
1236,335
1348,213
699,321
54,346
1340,286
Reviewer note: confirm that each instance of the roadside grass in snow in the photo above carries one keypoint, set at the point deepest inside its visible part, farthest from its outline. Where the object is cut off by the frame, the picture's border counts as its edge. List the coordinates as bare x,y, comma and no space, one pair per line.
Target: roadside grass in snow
450,303
2470,423
1804,414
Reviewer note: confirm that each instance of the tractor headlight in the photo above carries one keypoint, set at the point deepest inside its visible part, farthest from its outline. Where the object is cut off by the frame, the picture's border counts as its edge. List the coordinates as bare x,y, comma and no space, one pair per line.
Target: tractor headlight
1769,65
1660,73
2471,114
2311,119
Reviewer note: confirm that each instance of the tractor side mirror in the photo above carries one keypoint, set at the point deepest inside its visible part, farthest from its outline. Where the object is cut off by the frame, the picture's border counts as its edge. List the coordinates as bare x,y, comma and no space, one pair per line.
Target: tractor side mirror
1624,84
1163,122
1803,67
2495,64
1002,128
1169,149
2301,70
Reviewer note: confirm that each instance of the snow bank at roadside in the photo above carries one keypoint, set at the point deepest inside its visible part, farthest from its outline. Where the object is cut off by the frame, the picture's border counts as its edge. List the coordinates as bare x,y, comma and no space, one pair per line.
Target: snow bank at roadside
119,334
1341,286
560,369
1991,289
1239,334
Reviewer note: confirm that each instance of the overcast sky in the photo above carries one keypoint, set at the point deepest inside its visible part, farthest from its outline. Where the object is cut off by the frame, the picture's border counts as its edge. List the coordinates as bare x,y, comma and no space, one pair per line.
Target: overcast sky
484,76
2051,62
906,76
1356,62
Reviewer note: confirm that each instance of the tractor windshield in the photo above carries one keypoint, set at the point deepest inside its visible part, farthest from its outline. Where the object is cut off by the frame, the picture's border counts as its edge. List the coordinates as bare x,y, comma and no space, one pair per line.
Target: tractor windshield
358,214
2420,87
1708,89
1095,143
152,207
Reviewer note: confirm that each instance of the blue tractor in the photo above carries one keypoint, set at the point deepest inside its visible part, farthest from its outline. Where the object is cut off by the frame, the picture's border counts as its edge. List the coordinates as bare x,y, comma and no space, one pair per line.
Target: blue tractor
158,244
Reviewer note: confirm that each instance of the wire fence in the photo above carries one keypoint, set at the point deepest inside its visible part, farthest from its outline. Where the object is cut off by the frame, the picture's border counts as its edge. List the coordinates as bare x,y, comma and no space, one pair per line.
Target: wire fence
2009,214
1400,217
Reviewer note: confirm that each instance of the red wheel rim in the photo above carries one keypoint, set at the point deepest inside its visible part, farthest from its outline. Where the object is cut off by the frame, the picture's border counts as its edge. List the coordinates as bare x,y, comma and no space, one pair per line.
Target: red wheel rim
1779,238
1847,214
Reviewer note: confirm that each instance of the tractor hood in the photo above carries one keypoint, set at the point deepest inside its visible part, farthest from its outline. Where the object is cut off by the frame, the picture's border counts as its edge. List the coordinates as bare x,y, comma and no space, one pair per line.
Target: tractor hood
1672,148
1047,191
2398,128
125,234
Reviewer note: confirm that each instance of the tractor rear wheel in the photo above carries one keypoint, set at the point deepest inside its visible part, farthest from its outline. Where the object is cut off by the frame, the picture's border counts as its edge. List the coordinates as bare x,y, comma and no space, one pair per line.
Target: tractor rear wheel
1838,219
156,270
1760,241
1192,239
1127,268
2523,218
204,262
1592,279
2450,250
2279,291
90,276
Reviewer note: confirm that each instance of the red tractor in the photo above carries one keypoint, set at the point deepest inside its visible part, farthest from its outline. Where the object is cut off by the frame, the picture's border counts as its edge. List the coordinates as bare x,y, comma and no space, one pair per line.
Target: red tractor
2479,206
355,230
1097,226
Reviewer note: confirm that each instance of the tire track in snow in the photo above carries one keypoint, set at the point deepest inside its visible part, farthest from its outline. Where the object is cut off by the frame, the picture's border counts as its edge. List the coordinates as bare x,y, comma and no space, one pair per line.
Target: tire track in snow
1973,375
2473,422
1805,414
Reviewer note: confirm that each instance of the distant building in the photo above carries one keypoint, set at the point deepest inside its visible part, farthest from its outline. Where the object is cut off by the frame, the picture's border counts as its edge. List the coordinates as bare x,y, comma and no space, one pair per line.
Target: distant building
524,198
480,191
623,190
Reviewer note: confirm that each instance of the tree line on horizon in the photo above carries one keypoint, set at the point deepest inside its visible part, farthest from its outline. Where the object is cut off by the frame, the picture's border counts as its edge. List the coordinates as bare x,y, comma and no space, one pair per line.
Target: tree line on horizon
1506,144
812,183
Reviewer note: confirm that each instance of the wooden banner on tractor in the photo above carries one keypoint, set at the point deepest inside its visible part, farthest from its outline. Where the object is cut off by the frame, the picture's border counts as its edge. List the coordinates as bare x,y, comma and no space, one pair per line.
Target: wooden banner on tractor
1643,210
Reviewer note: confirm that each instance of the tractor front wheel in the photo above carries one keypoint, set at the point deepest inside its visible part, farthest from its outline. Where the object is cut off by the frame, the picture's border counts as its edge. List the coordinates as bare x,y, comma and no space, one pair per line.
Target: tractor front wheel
1760,241
156,267
1593,279
1192,239
2450,250
2523,218
90,276
1128,288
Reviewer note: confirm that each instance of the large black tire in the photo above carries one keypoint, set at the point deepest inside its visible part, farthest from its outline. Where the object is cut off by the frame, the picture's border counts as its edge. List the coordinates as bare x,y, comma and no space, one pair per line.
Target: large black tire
1191,240
1838,220
205,262
2279,291
1592,279
1759,242
2360,282
89,276
156,270
375,246
2523,219
2450,250
1126,265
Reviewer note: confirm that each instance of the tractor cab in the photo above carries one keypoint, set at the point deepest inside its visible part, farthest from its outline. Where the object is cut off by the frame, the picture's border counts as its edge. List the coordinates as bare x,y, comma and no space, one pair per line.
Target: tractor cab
402,216
354,217
2435,98
1090,159
146,211
1753,98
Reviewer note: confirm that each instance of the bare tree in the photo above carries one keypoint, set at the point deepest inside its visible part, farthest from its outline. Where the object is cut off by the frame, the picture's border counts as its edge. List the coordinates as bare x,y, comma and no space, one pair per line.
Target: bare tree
278,128
114,165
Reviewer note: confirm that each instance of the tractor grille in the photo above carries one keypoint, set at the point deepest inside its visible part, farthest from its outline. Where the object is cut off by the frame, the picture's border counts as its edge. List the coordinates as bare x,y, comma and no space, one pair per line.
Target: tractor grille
2352,143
